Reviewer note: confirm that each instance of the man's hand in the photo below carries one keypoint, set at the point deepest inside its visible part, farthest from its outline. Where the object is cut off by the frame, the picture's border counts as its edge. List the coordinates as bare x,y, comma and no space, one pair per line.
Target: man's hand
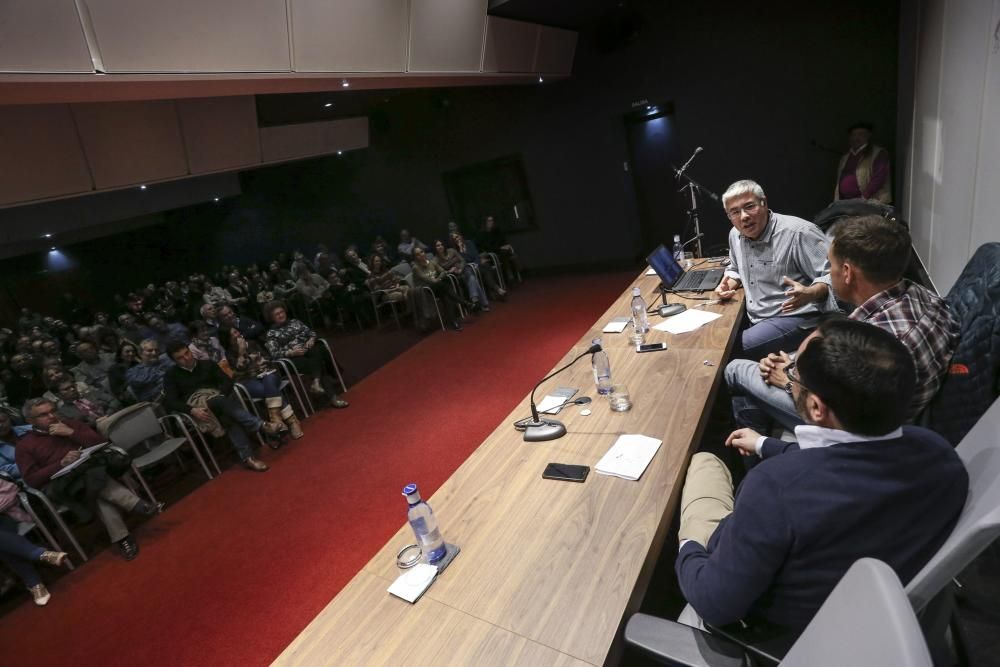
60,429
310,343
772,369
70,457
201,414
745,440
800,295
297,351
727,288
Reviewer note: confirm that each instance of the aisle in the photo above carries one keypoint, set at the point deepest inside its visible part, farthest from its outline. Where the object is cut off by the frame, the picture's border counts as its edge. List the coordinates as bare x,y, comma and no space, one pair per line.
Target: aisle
233,572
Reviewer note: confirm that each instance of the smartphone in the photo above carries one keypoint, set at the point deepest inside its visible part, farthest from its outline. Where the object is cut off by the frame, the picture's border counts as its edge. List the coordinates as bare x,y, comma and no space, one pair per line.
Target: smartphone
651,347
566,472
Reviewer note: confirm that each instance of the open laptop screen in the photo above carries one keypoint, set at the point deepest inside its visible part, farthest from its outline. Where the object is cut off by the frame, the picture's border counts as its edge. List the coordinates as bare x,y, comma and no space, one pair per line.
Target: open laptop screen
665,265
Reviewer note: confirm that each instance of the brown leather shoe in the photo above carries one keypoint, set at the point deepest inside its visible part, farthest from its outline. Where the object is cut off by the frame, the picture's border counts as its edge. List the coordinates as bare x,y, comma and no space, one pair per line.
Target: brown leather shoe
255,465
53,558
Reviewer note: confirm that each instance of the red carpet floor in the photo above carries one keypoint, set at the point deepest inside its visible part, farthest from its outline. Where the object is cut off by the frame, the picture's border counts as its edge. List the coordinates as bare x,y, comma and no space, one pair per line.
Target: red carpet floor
232,572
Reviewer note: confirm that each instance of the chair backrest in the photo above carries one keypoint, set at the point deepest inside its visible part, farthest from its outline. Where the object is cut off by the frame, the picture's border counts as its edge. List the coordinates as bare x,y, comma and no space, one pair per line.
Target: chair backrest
973,378
979,523
135,427
866,621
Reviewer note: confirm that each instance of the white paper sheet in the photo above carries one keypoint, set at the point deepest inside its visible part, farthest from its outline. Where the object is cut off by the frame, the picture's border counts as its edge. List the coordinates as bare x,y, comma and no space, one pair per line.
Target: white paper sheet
616,325
411,584
687,321
628,457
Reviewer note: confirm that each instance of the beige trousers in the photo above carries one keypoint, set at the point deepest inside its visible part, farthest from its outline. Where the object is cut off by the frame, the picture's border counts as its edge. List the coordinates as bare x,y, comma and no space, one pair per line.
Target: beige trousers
113,498
707,498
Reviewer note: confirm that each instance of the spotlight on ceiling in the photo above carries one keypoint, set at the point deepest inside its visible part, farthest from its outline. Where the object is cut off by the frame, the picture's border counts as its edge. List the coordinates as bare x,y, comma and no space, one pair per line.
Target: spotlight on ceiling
52,249
215,199
540,79
142,187
344,83
340,152
46,236
328,105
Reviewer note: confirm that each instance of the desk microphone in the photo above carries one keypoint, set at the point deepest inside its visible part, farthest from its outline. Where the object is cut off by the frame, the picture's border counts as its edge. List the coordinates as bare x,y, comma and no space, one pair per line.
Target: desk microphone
538,429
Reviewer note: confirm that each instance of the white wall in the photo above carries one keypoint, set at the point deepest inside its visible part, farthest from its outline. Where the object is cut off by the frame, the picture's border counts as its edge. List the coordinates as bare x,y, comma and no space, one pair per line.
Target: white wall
952,172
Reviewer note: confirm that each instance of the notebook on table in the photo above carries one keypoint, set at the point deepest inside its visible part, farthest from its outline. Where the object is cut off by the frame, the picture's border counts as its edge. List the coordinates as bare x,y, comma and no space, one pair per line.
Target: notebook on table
675,278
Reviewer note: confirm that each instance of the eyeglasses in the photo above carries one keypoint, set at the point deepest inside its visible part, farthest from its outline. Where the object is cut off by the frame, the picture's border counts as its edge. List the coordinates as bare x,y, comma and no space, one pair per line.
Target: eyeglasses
47,413
791,371
749,209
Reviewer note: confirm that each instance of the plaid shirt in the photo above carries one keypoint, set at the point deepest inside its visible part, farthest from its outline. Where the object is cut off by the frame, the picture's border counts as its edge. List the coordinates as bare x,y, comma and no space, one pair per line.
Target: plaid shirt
921,321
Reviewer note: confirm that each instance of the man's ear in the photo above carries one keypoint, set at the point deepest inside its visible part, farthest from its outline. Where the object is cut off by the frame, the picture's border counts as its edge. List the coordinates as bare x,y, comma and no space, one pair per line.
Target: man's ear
850,273
818,411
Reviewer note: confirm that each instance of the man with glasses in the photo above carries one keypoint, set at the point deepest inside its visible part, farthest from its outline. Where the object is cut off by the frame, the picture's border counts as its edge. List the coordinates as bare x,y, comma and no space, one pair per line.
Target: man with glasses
780,261
868,255
54,443
857,484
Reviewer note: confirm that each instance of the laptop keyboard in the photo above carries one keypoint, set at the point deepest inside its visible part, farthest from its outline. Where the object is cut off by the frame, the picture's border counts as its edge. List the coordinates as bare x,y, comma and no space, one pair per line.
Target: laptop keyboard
706,279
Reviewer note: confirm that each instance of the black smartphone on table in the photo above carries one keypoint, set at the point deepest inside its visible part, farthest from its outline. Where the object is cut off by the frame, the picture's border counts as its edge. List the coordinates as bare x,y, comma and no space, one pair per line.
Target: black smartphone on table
566,472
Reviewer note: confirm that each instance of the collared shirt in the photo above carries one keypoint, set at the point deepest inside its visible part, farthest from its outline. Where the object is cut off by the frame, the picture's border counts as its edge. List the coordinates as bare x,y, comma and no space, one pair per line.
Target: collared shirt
788,246
810,436
923,323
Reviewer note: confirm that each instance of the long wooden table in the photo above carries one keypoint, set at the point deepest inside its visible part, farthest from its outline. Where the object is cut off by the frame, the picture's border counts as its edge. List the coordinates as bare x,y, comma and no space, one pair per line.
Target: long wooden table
549,571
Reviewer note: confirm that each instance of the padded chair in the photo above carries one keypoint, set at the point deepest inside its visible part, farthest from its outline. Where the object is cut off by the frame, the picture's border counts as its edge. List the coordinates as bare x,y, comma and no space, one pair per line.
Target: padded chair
137,433
31,500
931,591
866,621
333,362
379,301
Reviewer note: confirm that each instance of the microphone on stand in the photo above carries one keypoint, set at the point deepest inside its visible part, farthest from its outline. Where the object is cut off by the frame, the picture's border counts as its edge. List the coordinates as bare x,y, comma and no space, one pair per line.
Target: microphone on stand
692,240
538,429
680,172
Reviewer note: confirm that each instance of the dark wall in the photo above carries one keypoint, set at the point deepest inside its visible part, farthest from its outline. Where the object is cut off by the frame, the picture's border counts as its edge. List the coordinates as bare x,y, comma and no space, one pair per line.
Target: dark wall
762,92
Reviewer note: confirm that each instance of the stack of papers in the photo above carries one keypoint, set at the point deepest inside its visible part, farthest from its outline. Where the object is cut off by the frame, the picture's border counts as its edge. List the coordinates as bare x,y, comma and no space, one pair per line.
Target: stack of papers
687,321
411,584
628,457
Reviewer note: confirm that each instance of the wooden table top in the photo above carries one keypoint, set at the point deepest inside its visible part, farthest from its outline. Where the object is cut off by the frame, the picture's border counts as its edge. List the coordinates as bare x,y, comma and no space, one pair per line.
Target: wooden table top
549,571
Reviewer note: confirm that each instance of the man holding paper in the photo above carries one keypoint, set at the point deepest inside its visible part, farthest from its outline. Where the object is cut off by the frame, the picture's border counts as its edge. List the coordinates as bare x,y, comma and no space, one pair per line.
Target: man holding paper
51,445
857,484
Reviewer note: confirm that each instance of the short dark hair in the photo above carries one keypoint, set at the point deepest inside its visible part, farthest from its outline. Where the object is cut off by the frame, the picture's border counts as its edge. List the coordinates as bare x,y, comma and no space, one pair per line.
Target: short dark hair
175,345
879,247
863,373
861,125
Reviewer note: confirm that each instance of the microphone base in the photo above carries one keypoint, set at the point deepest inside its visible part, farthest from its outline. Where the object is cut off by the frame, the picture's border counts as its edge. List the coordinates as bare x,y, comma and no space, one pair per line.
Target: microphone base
545,429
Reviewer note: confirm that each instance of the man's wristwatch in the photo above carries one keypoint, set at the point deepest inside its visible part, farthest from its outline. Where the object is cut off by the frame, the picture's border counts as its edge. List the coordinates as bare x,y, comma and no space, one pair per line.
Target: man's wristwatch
788,387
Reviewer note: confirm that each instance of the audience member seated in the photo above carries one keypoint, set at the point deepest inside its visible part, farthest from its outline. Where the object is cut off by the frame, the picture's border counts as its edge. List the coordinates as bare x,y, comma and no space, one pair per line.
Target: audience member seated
51,445
238,289
254,371
407,244
449,260
492,239
145,379
381,248
21,555
210,316
386,281
470,253
427,273
780,261
24,382
863,172
248,327
89,410
290,338
204,345
868,256
214,294
163,332
773,553
126,357
94,365
202,390
9,435
128,328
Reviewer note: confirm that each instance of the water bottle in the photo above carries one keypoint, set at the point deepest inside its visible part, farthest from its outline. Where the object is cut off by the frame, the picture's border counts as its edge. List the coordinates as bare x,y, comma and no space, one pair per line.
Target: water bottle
602,370
425,527
640,320
678,249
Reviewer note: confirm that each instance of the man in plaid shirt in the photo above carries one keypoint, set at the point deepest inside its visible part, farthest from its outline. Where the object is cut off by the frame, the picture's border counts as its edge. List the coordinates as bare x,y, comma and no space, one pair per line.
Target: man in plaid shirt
868,256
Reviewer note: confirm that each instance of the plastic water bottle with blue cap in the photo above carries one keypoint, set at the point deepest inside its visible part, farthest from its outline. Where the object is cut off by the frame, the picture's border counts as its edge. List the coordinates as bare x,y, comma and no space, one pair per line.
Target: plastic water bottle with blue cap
425,527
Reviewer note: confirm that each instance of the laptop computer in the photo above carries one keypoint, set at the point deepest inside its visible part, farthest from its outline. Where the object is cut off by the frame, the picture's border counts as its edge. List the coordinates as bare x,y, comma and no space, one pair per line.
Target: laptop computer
676,279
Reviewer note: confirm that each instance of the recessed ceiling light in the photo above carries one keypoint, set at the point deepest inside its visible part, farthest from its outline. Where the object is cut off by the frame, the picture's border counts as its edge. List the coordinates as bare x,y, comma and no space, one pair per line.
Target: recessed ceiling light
540,79
328,105
52,249
340,152
216,199
46,236
142,187
345,83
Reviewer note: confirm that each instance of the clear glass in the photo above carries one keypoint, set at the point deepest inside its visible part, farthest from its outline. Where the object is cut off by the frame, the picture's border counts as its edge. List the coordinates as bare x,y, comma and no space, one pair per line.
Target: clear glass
619,398
688,261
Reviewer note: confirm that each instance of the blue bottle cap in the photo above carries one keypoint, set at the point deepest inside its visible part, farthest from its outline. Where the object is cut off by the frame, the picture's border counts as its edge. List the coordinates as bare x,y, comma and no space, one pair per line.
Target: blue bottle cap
409,489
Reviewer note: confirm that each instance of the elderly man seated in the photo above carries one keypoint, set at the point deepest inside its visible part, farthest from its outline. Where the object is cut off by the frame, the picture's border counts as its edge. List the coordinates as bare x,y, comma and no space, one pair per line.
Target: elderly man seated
53,444
200,389
857,484
94,365
145,379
